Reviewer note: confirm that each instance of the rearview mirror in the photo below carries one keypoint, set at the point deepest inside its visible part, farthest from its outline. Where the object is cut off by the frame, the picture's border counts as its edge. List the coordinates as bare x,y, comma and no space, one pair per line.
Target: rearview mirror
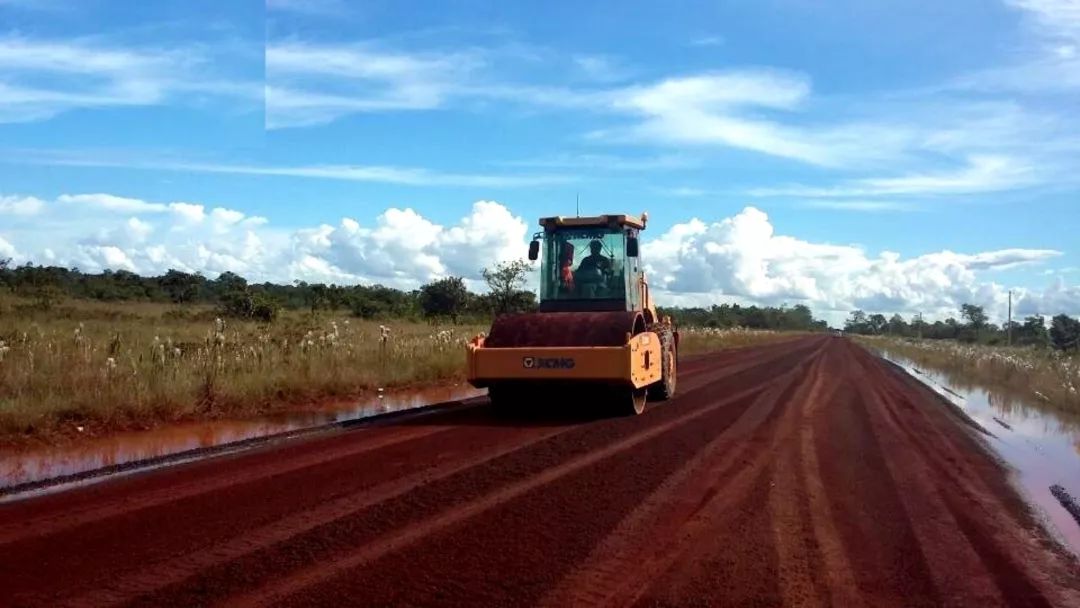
534,250
631,247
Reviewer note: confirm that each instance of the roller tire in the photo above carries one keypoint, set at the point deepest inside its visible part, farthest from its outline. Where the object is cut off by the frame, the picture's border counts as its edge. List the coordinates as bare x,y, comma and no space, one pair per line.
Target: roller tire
633,401
665,388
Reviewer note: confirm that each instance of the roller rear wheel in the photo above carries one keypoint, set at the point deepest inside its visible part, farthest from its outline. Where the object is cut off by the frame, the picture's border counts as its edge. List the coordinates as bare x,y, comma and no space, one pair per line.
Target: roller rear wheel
665,388
633,401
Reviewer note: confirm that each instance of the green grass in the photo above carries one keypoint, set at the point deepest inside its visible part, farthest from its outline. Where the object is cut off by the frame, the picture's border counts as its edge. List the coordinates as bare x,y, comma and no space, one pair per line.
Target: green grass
106,367
134,365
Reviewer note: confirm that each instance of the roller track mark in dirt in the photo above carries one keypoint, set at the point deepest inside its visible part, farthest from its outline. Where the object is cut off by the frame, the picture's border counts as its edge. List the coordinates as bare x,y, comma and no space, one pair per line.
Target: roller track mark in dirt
970,526
51,521
157,570
751,512
929,517
400,539
174,571
649,538
114,548
804,473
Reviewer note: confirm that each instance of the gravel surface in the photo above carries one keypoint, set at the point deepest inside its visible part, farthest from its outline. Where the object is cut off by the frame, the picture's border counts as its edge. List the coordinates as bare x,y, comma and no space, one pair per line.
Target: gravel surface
799,473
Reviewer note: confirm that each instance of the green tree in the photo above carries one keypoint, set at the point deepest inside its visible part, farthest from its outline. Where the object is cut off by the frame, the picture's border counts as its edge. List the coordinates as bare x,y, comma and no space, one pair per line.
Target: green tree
229,282
857,323
247,304
975,317
181,287
1065,333
5,273
1033,331
878,323
897,326
444,298
505,281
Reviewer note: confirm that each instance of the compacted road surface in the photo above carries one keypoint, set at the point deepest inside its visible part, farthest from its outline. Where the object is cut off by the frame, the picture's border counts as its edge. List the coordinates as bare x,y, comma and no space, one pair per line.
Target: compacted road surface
800,473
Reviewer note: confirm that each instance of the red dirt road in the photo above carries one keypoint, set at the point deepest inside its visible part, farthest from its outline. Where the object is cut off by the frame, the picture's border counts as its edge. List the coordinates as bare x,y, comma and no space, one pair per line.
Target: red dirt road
801,473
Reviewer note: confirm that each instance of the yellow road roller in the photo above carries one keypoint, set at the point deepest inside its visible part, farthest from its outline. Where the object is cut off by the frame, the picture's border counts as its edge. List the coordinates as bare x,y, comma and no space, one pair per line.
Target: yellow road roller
596,337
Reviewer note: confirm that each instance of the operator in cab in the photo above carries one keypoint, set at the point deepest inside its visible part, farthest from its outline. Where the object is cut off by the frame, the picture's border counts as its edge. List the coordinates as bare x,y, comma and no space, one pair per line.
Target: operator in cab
594,269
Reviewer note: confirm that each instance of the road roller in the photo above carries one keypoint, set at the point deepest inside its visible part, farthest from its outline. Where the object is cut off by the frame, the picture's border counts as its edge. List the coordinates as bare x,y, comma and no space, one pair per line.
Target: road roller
595,340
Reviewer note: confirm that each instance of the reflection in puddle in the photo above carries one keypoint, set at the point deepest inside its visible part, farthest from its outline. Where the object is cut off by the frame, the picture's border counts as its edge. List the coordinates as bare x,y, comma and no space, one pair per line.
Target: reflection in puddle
1042,444
19,467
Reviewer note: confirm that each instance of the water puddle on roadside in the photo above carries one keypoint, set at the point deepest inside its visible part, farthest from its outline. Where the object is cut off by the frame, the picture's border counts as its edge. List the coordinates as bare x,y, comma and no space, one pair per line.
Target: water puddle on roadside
1041,444
26,466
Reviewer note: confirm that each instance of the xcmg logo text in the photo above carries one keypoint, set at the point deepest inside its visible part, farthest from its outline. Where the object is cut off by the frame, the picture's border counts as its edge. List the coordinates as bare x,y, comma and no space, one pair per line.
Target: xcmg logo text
547,363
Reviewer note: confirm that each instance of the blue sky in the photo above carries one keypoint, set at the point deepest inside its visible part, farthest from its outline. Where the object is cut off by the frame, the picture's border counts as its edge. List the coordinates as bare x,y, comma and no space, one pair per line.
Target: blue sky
893,156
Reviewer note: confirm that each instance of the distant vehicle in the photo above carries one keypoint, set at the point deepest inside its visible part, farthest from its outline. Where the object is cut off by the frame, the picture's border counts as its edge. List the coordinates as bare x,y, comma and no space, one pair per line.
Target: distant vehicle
837,332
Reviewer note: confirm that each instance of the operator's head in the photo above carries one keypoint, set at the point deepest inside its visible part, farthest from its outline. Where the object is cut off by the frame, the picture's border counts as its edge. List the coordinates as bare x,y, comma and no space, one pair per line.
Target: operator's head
595,247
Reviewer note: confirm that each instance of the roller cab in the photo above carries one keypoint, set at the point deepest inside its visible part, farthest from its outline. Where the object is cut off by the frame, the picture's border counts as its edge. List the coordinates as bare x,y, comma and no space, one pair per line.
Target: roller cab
596,327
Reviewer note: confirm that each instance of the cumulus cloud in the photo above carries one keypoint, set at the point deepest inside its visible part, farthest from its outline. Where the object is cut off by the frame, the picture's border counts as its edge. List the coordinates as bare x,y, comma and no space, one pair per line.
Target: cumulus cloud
7,250
404,248
742,258
20,205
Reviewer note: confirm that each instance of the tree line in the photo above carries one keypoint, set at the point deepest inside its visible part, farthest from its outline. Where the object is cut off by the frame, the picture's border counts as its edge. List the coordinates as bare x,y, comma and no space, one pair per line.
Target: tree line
234,296
447,298
1062,333
798,317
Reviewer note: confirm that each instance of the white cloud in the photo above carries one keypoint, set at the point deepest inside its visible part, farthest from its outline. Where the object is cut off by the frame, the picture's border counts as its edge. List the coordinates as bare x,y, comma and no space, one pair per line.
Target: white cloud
404,248
606,162
410,176
857,205
740,258
189,212
761,110
42,78
363,80
7,250
1055,18
137,230
981,174
109,202
1050,65
733,109
20,205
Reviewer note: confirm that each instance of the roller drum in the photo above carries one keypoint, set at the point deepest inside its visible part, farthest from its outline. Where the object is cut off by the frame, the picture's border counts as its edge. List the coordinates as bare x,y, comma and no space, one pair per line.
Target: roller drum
564,329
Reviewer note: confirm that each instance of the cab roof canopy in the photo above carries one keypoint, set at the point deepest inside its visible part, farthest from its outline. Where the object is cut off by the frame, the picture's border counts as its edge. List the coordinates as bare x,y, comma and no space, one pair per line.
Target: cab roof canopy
609,220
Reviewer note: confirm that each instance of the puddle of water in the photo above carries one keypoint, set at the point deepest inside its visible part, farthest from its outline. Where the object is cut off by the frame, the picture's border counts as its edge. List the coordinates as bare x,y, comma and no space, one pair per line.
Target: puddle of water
19,467
1041,444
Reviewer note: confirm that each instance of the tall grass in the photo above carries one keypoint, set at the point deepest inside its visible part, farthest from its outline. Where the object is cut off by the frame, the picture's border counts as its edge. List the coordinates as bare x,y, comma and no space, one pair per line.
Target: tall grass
696,340
100,367
1050,376
59,371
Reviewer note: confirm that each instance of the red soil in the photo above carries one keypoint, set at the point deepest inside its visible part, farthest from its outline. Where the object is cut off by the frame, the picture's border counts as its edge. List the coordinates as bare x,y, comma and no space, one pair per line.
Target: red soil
798,473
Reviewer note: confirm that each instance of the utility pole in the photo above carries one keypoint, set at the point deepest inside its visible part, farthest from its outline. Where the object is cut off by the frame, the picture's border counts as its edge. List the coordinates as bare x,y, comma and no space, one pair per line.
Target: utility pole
919,318
1009,334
